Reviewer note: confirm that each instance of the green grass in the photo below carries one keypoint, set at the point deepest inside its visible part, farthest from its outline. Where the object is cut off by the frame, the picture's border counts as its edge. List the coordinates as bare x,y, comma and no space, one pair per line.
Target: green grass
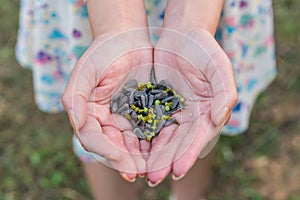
37,162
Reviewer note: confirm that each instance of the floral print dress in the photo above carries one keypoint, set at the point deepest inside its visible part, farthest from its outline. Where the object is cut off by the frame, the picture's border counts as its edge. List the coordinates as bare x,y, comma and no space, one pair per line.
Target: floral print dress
54,34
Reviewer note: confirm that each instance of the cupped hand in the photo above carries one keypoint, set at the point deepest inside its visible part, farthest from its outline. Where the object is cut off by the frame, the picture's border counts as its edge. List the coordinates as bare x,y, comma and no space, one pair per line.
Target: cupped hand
195,65
87,98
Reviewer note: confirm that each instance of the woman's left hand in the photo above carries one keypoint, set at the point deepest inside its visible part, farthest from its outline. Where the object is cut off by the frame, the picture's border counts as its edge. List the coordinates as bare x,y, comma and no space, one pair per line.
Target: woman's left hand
196,66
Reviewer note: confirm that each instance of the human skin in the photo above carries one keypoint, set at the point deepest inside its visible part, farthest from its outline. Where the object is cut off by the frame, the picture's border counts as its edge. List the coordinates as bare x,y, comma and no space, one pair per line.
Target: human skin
96,75
188,46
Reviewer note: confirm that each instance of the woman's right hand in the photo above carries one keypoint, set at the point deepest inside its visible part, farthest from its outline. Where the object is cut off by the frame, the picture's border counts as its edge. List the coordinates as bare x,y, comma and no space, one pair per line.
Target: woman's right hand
121,43
89,91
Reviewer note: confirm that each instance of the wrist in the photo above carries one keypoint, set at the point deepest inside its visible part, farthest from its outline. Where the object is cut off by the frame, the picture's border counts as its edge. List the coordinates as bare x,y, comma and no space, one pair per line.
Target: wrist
111,17
112,27
188,15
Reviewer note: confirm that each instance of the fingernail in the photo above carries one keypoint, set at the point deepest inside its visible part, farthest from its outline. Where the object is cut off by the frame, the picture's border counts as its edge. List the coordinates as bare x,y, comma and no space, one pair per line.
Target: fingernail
125,177
141,175
177,178
222,116
73,121
153,184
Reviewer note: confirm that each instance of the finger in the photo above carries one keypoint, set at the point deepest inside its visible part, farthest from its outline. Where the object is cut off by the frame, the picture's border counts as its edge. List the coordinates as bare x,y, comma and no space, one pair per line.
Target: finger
219,73
106,118
223,88
108,145
187,153
132,144
192,145
159,163
145,147
92,139
165,145
125,165
77,92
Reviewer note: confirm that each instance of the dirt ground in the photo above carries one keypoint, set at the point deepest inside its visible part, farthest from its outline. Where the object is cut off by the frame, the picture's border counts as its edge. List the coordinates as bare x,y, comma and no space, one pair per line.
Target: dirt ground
37,162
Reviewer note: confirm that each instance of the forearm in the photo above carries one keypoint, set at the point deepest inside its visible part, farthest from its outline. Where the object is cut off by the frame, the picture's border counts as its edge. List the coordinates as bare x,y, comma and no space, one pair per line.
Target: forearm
190,14
113,16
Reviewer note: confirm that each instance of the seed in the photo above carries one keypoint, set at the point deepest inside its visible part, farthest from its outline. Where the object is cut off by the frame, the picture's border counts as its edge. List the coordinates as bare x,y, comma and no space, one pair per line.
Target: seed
160,96
123,108
143,100
114,106
158,110
148,106
167,99
148,126
160,126
125,112
131,84
139,93
150,101
175,102
131,98
155,91
152,76
138,132
139,102
134,115
128,89
123,100
117,97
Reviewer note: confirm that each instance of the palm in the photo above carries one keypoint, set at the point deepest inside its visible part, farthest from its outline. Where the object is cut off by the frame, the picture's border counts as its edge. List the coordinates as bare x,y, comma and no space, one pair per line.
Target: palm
100,119
204,94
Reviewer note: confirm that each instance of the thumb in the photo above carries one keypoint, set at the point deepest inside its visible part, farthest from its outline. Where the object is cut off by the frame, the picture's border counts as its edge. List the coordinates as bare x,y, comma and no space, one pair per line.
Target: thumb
224,92
77,93
219,72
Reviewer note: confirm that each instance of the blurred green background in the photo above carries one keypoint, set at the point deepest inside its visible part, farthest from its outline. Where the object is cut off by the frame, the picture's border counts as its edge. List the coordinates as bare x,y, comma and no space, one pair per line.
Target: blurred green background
37,162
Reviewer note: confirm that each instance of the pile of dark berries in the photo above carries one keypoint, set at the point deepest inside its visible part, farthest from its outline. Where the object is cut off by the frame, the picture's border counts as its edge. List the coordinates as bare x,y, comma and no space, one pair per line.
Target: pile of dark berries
148,106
